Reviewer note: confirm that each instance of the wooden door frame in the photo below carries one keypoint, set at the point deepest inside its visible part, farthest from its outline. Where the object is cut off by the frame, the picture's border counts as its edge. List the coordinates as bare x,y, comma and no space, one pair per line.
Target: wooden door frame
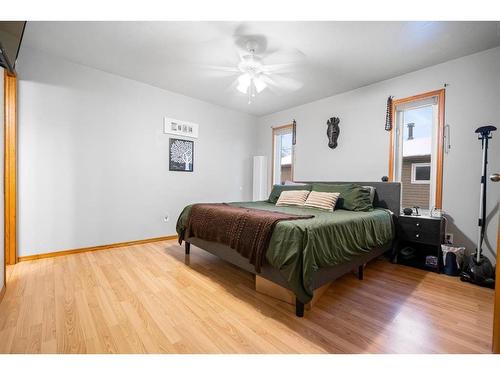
10,167
496,306
275,129
440,95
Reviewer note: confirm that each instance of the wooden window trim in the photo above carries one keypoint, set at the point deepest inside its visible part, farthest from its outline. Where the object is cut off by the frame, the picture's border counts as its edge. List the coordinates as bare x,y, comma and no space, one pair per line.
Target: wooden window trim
496,308
10,167
276,129
440,95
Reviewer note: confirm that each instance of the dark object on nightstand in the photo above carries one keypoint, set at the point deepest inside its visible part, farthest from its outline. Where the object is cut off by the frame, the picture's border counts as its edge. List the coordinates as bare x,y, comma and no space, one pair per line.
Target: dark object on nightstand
423,234
407,211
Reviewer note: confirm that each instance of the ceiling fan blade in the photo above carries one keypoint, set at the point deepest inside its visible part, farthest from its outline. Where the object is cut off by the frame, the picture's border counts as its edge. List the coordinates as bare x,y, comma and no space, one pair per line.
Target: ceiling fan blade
271,86
281,82
217,71
282,56
233,87
220,68
280,68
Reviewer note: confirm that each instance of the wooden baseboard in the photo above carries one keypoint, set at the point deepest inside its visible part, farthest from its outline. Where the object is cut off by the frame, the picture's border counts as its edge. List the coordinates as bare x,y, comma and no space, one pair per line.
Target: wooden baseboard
2,293
94,248
274,290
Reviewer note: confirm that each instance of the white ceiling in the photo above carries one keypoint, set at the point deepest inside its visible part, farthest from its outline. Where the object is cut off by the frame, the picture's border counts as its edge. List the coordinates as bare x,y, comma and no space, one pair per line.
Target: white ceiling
336,56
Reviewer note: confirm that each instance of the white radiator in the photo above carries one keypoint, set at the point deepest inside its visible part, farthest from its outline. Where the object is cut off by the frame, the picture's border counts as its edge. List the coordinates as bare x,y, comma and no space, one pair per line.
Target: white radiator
259,178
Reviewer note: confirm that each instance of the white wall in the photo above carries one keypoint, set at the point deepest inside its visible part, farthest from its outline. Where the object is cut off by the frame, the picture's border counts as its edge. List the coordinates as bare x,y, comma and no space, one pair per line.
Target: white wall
93,159
2,249
472,100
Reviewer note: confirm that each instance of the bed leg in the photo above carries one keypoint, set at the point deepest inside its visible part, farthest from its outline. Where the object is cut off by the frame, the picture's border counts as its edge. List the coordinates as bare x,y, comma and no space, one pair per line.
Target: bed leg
299,308
187,247
360,272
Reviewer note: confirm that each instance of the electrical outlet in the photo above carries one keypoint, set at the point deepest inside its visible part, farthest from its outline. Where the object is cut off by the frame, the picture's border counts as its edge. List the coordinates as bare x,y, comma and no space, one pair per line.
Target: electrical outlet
448,238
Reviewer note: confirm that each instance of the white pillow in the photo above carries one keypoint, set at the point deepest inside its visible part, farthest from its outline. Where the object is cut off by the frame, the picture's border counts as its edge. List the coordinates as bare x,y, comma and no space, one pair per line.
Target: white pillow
322,200
372,192
292,198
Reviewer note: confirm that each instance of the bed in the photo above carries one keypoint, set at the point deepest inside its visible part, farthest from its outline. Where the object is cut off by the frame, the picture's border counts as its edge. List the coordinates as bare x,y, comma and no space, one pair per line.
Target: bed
304,256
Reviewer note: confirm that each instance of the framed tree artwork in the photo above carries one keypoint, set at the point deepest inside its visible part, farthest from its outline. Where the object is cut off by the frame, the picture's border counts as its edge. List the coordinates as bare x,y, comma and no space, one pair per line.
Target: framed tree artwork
181,155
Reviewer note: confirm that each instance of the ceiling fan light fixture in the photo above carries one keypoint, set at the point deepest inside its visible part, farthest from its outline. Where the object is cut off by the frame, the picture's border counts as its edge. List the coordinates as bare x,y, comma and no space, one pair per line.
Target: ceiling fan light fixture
253,74
242,88
247,83
244,82
259,85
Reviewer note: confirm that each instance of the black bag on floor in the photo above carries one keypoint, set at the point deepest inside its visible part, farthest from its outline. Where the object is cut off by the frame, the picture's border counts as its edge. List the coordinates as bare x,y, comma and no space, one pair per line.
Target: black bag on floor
450,265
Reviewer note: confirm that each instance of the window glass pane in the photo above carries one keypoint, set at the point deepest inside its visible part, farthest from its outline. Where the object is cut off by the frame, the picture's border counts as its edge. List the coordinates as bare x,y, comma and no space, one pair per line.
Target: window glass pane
282,161
286,157
416,141
423,173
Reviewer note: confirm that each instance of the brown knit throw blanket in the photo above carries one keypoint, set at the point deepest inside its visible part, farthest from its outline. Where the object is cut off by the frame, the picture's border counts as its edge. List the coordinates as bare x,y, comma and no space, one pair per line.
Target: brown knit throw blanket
246,230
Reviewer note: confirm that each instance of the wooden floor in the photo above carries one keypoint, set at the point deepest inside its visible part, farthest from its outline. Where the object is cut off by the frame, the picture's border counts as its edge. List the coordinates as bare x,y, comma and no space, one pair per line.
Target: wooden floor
151,299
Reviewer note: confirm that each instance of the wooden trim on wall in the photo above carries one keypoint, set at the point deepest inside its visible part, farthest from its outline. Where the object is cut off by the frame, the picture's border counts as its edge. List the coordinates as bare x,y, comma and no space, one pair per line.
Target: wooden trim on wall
390,175
10,167
440,95
272,160
274,130
279,127
438,201
94,248
2,293
496,308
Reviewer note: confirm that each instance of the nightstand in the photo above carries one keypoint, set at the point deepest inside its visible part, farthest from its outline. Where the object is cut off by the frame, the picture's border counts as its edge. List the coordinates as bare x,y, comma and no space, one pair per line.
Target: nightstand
423,234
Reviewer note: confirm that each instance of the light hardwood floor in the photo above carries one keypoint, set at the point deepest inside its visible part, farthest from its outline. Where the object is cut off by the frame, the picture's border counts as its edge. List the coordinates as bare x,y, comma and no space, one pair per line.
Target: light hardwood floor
151,299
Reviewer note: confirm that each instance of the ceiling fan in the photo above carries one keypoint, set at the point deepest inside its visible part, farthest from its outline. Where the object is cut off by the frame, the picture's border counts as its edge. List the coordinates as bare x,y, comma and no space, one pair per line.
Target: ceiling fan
254,75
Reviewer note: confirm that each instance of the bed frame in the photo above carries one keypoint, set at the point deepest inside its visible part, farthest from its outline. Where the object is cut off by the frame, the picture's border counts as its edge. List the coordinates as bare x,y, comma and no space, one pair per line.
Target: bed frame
387,195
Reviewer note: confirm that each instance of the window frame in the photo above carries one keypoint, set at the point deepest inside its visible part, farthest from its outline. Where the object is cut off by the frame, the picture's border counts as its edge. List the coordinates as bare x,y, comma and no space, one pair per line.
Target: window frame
414,166
440,95
277,130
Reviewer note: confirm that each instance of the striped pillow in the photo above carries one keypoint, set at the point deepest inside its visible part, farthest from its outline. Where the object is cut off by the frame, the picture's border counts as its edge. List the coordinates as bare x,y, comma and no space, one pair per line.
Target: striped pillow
292,198
322,200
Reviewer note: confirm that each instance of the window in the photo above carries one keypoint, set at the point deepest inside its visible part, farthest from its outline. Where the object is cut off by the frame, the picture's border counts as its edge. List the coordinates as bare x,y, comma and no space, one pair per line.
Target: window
416,157
282,154
420,173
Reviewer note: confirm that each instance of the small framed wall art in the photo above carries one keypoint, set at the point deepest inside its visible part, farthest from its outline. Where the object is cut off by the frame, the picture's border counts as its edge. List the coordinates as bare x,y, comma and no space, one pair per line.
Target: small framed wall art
180,128
180,155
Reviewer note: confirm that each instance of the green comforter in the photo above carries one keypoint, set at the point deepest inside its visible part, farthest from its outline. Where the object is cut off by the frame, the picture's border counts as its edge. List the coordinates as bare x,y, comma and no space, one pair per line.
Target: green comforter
300,247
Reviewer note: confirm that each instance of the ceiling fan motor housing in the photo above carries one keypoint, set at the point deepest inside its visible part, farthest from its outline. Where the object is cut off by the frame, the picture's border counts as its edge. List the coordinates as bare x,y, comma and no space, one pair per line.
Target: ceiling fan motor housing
250,64
252,45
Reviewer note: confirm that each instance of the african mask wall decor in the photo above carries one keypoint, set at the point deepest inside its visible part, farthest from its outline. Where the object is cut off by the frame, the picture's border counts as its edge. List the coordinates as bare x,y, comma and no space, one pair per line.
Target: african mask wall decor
333,131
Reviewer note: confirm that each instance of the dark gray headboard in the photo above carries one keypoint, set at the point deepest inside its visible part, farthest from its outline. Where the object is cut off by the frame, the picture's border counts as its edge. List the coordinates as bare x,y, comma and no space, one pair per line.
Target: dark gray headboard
387,194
